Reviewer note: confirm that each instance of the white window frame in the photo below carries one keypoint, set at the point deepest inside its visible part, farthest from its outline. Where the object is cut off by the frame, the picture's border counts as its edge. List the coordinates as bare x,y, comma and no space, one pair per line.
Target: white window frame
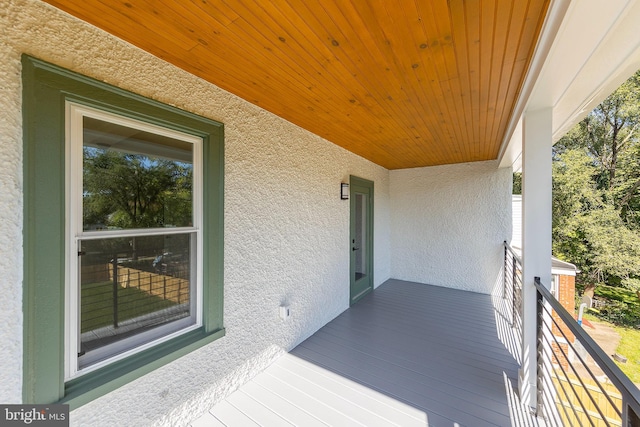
555,285
75,233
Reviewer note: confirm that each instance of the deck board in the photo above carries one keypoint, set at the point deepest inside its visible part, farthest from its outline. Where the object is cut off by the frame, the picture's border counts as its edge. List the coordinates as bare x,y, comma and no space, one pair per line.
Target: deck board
446,384
259,413
230,415
408,354
207,420
387,408
284,409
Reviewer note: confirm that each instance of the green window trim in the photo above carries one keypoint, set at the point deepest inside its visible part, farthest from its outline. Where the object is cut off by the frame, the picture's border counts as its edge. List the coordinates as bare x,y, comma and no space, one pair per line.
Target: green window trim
46,88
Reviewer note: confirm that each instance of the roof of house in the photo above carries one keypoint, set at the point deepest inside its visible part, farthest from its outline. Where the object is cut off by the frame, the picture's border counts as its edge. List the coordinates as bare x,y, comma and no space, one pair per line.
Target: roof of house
563,267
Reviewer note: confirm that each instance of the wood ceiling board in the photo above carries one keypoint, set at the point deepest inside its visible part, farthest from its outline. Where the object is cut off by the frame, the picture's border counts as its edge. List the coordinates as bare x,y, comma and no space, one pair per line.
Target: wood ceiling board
360,95
437,26
367,75
425,81
353,109
511,78
526,34
396,85
422,95
274,58
488,68
502,73
407,84
463,29
375,78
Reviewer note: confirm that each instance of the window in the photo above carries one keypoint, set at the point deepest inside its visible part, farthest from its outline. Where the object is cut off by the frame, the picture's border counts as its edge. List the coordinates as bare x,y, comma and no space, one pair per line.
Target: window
134,235
123,235
555,283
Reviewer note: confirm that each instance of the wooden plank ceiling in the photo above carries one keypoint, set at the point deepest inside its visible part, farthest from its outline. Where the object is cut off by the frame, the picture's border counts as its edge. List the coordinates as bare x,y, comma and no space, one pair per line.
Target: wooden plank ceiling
403,83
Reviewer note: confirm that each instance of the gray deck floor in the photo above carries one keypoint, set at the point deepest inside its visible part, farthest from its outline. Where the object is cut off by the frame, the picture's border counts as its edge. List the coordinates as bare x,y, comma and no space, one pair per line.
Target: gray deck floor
408,354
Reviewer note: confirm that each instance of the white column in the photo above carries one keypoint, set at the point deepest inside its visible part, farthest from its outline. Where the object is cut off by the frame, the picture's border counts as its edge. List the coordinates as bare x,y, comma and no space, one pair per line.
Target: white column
536,235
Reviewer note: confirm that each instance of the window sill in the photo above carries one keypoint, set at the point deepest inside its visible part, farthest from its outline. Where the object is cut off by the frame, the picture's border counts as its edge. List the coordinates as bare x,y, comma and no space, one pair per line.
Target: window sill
102,381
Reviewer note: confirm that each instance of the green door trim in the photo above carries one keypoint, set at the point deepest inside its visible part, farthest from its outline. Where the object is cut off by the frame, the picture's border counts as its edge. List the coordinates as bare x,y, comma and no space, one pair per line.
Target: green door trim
360,185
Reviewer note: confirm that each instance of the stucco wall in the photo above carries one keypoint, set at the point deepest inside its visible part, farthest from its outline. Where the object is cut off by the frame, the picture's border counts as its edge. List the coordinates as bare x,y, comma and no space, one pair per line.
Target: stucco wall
286,229
449,223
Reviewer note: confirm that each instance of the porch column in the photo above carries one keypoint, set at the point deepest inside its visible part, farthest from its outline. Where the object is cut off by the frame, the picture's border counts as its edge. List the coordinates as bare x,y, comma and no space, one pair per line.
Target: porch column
536,235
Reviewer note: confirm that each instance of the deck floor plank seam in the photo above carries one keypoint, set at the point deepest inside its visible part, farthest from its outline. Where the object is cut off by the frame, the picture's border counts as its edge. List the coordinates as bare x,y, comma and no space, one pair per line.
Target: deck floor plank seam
282,407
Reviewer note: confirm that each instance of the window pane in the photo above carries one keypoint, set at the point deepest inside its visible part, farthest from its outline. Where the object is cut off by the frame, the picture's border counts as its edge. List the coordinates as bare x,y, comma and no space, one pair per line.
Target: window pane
361,235
133,290
134,179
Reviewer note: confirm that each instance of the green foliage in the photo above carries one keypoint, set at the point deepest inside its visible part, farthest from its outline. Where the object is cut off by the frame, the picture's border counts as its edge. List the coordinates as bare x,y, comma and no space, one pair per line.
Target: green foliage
626,186
587,228
631,283
123,190
617,305
619,313
609,130
613,293
630,348
517,183
596,191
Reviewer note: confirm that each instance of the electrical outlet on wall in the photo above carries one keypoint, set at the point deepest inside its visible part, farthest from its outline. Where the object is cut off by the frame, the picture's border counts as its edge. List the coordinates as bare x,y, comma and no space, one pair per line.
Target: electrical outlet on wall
284,312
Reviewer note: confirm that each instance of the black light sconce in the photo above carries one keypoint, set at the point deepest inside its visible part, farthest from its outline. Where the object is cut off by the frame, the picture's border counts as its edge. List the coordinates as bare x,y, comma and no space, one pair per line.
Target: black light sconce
344,191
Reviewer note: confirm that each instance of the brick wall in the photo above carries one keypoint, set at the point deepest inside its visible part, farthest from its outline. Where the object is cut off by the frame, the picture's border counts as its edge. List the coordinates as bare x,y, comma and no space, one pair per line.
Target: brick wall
565,294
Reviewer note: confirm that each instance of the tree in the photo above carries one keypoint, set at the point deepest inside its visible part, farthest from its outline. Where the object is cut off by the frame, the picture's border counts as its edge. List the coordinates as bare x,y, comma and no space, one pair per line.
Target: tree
626,186
609,130
124,190
517,183
587,228
596,185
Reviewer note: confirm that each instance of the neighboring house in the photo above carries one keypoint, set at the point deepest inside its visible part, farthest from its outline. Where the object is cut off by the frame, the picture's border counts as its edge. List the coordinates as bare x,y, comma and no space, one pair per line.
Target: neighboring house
276,232
563,287
563,274
564,283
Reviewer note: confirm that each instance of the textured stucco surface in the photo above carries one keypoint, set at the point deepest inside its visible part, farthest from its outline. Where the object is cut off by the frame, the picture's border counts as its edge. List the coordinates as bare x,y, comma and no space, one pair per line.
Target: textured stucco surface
449,223
286,230
10,223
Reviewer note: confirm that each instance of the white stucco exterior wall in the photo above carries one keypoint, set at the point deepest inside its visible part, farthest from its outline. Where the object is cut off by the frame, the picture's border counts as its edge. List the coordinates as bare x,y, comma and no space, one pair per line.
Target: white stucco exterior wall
449,224
286,229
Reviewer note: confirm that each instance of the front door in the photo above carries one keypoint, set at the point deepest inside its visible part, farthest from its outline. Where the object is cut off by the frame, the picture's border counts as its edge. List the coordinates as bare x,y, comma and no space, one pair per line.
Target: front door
361,237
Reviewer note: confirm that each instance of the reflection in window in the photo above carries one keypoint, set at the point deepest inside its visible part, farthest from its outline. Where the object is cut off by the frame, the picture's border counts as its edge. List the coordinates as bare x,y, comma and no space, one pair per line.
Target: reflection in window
131,285
135,236
134,178
361,235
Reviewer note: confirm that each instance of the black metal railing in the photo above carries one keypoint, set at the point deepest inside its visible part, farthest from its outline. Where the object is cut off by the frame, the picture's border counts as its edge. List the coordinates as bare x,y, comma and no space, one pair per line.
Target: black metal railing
578,384
513,287
116,291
